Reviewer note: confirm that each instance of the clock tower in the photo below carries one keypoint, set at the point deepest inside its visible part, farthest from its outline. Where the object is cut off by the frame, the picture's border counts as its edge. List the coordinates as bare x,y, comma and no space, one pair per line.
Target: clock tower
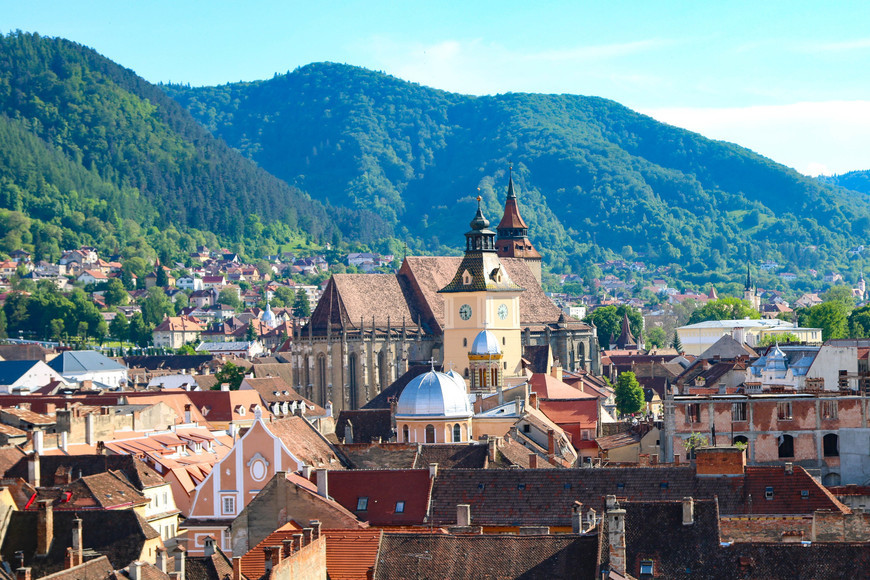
481,296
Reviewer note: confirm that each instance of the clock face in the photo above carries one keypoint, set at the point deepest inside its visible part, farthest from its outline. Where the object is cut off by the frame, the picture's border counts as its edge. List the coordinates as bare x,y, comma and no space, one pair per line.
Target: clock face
465,312
502,311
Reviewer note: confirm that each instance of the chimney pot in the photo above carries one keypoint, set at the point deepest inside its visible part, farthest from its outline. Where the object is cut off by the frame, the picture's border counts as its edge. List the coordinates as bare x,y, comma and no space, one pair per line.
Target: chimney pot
315,525
297,542
306,536
237,568
433,470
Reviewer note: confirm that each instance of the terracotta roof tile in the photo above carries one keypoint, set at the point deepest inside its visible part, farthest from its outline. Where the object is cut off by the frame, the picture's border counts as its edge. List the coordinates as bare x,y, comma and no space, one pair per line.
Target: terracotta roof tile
304,442
254,562
350,554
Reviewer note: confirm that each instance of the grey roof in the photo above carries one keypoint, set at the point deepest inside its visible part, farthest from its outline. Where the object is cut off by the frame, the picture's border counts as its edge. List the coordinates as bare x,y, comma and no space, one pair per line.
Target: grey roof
81,361
727,348
11,370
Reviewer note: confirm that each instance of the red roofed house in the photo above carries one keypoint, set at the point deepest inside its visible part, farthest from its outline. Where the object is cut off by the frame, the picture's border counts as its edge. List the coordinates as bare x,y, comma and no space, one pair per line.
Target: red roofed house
176,331
235,480
385,497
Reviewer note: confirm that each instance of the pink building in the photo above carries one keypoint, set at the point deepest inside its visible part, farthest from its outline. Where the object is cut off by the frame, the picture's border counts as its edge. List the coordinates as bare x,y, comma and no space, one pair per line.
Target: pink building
235,480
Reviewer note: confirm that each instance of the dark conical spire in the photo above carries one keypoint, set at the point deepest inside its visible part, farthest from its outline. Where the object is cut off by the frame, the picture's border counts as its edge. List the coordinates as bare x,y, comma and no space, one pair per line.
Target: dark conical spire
510,193
748,278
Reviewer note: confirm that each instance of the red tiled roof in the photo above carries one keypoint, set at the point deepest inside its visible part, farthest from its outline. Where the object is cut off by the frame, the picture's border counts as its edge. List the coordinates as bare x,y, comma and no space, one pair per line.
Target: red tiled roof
224,405
350,554
787,492
384,490
254,562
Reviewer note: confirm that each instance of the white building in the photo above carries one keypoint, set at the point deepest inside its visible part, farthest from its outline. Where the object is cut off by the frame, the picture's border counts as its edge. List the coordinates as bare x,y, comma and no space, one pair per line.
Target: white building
698,337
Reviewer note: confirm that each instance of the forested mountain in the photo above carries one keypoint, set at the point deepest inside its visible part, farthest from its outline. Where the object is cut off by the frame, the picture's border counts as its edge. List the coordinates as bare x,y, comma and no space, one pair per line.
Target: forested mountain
854,180
592,174
91,153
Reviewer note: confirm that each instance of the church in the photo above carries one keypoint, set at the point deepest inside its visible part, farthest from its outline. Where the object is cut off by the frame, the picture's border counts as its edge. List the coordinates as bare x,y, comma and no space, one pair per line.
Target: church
369,329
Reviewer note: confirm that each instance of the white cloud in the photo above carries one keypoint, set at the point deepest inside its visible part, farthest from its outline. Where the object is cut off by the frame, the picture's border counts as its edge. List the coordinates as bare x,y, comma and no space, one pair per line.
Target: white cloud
812,137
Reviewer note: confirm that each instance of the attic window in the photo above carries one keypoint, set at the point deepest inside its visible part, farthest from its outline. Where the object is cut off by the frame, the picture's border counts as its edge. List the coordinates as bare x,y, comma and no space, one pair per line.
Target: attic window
768,492
362,504
521,486
466,278
620,485
400,507
567,485
663,485
481,486
646,568
805,494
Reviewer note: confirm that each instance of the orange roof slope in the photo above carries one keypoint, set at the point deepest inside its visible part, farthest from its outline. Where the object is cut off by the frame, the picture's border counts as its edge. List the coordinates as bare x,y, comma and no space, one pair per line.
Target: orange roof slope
350,554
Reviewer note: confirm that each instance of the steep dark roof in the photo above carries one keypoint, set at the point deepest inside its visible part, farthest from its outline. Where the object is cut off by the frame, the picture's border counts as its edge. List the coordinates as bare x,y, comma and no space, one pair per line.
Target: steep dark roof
171,362
369,425
728,348
455,455
546,496
140,475
655,531
439,556
117,534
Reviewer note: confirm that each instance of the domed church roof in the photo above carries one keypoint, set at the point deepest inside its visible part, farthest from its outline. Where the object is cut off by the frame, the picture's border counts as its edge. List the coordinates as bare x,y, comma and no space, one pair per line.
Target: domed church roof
485,343
434,394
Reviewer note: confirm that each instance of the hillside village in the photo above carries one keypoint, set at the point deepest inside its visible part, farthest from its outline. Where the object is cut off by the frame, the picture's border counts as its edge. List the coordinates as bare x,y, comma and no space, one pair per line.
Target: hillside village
287,420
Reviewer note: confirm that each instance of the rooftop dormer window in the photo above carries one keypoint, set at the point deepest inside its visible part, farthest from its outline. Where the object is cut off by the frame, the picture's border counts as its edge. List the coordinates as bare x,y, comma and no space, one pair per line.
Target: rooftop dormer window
466,278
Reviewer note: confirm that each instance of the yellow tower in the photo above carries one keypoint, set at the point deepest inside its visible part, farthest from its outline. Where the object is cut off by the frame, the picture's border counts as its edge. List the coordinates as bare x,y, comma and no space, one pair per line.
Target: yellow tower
481,296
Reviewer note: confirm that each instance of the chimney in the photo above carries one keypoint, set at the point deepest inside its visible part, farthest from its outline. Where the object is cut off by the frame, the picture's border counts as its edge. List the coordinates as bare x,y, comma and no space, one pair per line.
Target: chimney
688,511
789,468
161,559
33,471
179,562
208,546
277,556
64,441
322,483
556,372
225,387
306,471
77,544
533,400
463,515
616,535
433,470
187,413
551,444
492,448
307,533
237,568
44,527
676,458
288,546
89,429
22,574
136,570
577,518
315,526
533,460
38,442
267,559
518,406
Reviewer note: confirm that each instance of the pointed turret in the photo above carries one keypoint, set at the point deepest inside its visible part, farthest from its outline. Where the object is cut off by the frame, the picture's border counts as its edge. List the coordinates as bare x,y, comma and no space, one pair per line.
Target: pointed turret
626,340
513,234
712,295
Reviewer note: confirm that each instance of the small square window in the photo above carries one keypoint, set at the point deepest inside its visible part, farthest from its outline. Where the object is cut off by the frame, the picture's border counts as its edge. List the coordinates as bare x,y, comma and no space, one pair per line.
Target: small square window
646,567
521,486
481,486
362,504
663,485
567,485
400,507
620,485
805,494
768,492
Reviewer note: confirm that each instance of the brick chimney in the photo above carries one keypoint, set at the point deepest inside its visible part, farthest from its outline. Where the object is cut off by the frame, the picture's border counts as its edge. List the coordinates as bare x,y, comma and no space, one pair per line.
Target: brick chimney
533,400
551,444
77,544
22,574
33,471
307,533
44,527
463,515
267,559
323,483
616,536
533,460
577,518
688,511
179,553
315,526
237,568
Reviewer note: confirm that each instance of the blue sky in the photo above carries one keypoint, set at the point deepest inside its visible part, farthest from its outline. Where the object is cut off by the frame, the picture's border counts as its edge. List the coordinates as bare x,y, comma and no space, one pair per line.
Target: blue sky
786,79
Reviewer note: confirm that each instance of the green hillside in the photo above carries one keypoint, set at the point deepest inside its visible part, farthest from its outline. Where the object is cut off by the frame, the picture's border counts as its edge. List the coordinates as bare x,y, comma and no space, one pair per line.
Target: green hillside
595,178
854,180
91,153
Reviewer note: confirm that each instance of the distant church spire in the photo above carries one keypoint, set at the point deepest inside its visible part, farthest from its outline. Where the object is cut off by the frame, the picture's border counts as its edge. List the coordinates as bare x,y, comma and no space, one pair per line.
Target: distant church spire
513,233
